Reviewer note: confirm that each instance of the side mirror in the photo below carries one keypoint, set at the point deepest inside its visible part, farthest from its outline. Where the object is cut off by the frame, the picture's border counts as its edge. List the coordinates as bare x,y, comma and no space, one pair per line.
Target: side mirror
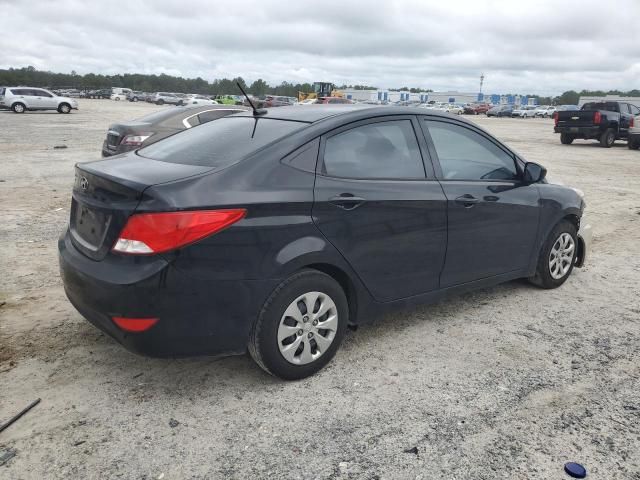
534,173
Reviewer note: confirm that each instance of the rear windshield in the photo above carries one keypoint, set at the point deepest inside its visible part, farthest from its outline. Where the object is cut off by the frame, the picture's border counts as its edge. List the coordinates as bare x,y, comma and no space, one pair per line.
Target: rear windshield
221,143
161,115
610,106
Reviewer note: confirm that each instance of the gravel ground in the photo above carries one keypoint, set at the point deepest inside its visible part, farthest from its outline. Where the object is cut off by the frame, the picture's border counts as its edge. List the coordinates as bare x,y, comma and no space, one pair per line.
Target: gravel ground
508,382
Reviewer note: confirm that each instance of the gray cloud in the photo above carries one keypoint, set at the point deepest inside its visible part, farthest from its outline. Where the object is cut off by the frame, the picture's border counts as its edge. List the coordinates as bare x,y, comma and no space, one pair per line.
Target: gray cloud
524,46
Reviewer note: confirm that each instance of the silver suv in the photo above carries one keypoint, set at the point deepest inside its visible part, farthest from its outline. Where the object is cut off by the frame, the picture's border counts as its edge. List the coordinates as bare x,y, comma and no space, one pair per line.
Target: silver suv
21,99
161,98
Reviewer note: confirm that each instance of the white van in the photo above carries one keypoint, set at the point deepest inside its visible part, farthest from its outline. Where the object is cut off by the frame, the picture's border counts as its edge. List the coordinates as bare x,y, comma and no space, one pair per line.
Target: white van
120,91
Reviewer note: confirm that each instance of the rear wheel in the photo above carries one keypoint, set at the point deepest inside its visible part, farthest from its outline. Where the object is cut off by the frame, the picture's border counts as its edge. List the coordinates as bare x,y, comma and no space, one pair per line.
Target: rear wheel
64,108
300,326
18,107
557,257
135,99
607,138
633,144
160,102
566,138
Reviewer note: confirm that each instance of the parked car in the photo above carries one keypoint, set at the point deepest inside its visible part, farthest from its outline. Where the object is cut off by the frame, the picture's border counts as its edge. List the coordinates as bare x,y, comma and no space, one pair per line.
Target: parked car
160,98
476,108
500,111
242,234
276,101
125,136
227,100
544,111
308,101
333,100
602,121
451,108
194,99
136,96
21,99
118,96
633,142
524,111
101,93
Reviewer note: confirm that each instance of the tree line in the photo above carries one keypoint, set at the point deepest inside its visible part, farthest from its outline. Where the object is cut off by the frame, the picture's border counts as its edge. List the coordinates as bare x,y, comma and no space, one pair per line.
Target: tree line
167,83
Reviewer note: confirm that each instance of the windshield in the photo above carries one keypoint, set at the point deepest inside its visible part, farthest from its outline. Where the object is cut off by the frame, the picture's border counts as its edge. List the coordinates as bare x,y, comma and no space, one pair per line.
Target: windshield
221,143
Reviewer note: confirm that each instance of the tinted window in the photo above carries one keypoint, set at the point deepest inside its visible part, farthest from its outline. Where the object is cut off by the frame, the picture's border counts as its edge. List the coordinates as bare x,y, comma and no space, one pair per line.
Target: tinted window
41,93
207,116
376,150
221,143
610,106
467,155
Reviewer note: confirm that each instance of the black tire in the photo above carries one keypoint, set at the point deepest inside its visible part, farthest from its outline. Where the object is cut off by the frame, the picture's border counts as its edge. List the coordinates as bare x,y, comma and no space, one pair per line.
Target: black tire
64,108
566,138
19,107
135,99
263,340
633,145
607,138
160,102
543,277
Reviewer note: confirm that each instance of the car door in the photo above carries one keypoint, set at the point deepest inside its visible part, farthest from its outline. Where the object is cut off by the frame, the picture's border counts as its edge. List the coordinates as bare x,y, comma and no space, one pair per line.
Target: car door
374,202
625,119
44,99
492,213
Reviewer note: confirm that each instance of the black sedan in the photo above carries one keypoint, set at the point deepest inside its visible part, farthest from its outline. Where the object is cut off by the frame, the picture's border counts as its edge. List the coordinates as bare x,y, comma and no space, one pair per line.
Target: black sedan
273,231
126,136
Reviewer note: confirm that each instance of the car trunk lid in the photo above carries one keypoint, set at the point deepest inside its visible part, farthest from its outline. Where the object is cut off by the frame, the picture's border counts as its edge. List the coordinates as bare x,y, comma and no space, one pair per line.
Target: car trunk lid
576,118
107,192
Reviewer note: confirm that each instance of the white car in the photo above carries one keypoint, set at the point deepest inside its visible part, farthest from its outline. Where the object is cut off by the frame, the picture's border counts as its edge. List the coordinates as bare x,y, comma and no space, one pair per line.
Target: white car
308,101
118,96
21,99
524,111
545,111
193,99
450,108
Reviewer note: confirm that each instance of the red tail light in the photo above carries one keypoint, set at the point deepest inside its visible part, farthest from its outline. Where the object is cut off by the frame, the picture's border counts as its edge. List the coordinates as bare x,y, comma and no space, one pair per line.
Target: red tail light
597,118
555,118
134,324
149,233
631,122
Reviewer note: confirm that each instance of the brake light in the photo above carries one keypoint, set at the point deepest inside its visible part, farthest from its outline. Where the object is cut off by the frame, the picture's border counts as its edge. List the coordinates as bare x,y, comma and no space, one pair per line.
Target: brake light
631,122
135,140
134,324
149,233
597,118
555,118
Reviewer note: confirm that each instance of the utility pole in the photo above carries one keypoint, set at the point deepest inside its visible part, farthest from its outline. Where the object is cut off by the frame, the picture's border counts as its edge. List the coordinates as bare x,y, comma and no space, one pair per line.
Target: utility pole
481,81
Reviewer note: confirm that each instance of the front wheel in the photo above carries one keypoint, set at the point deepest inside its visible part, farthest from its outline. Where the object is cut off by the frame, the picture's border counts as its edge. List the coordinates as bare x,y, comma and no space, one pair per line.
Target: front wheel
64,108
557,257
300,326
607,138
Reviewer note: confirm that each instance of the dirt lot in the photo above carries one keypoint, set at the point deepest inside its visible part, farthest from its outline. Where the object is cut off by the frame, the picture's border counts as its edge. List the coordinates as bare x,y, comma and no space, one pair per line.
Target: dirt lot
509,382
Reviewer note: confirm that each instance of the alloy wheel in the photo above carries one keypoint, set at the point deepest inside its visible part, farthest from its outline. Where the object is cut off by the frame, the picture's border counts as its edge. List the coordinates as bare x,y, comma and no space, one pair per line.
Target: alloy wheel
561,256
307,328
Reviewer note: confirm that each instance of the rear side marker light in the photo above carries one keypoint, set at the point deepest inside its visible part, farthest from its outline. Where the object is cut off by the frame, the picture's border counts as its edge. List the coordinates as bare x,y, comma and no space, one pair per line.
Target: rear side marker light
134,324
555,118
150,233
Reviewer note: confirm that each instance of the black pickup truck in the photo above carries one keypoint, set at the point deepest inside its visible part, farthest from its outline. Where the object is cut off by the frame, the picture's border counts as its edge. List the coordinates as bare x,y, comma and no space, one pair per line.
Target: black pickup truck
602,121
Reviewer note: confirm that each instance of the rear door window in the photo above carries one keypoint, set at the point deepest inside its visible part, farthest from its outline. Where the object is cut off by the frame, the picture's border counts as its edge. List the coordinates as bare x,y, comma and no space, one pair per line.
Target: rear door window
378,150
221,143
634,110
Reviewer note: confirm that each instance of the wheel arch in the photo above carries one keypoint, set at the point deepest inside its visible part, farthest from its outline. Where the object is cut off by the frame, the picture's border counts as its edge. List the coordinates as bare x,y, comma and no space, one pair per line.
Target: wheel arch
345,281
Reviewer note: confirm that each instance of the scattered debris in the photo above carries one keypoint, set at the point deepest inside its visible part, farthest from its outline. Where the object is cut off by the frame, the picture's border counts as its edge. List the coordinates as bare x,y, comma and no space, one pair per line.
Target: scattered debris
413,450
173,423
59,146
79,442
57,209
7,455
20,414
138,375
2,304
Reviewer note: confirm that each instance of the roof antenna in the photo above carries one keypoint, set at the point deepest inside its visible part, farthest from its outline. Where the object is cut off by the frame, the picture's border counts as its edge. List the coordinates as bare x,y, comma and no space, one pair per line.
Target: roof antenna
256,111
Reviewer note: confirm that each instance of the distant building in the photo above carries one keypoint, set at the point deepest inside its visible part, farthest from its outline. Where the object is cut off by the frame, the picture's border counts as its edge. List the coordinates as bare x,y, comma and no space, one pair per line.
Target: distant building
610,98
383,95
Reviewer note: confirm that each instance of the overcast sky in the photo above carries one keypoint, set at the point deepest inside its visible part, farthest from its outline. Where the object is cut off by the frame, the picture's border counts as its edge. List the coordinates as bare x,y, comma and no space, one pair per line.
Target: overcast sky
522,46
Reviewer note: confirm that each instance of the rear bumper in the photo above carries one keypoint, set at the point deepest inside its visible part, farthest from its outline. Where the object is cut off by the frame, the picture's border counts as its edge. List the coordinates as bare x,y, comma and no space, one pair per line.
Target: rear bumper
584,132
196,317
585,234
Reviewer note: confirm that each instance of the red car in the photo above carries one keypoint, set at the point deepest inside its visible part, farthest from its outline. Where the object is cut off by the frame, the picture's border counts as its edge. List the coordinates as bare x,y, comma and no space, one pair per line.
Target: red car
477,108
333,100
